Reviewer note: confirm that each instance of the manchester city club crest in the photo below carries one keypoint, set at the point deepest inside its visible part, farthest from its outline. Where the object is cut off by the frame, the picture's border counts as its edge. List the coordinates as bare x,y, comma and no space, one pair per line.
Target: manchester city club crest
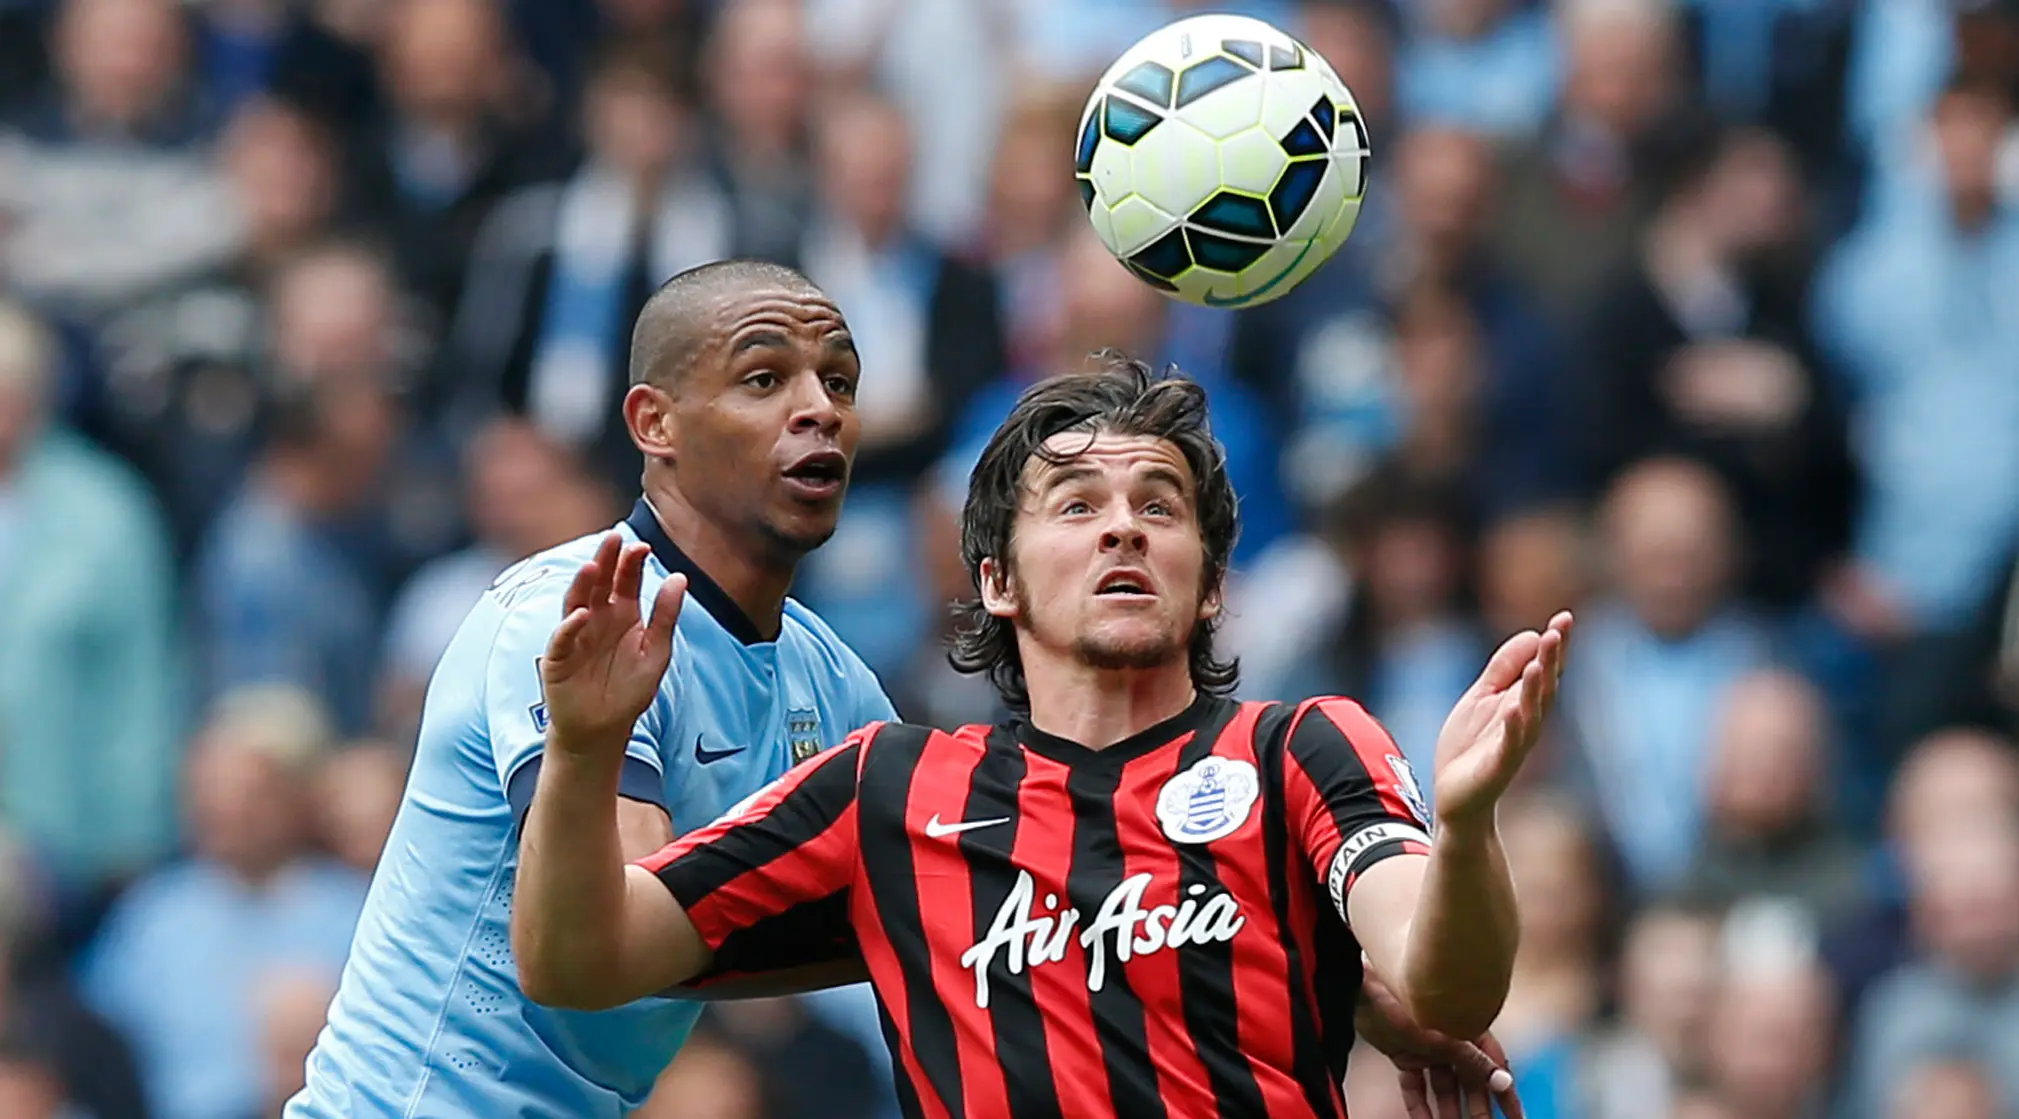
802,732
1208,801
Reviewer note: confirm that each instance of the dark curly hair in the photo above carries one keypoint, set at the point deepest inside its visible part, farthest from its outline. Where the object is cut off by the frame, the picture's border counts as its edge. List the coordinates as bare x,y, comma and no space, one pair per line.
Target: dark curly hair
1119,396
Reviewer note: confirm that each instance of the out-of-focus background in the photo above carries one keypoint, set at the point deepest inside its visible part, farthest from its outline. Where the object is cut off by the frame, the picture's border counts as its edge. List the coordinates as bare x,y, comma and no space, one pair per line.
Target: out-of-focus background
1702,317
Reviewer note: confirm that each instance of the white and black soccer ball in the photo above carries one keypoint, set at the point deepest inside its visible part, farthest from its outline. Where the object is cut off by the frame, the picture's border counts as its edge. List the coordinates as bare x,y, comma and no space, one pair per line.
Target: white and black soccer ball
1222,160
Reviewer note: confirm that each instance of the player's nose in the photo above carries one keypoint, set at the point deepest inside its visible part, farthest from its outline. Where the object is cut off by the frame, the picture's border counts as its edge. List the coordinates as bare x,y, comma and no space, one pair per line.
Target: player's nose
1123,532
813,407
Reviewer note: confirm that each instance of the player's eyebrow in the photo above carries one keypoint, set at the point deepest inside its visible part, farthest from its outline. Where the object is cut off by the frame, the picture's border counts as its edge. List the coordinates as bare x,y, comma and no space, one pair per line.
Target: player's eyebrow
1060,476
1167,476
841,342
761,340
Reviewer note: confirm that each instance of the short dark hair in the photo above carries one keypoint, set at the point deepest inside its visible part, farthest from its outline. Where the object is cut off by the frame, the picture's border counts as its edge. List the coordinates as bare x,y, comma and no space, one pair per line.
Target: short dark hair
1120,396
670,325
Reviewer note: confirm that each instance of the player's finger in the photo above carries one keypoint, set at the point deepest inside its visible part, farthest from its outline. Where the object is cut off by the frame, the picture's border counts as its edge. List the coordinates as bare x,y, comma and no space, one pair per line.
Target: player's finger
605,563
1444,1085
666,610
630,577
581,589
566,637
1504,668
1415,1095
1502,1082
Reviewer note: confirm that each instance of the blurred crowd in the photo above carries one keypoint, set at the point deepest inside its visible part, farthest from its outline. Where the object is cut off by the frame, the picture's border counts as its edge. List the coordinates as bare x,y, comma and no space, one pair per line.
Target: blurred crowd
1701,316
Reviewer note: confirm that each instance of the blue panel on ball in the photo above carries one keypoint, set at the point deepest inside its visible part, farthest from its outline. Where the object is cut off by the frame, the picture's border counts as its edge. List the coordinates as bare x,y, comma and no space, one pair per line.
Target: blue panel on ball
1304,140
1166,257
1222,254
1247,50
1280,59
1236,214
1090,137
1324,113
1295,190
1151,82
1127,122
1208,76
1087,191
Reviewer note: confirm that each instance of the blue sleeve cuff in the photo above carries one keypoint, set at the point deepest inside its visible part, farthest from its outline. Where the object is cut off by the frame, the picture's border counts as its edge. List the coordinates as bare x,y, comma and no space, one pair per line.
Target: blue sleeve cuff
639,782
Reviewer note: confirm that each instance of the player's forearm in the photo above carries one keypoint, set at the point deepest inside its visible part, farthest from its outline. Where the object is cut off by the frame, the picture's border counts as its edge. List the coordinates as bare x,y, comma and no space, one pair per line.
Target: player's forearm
568,906
1459,955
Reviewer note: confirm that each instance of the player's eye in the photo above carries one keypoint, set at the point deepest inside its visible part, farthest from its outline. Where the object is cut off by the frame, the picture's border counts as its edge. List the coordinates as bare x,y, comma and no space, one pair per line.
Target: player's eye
1076,507
1157,508
841,386
764,379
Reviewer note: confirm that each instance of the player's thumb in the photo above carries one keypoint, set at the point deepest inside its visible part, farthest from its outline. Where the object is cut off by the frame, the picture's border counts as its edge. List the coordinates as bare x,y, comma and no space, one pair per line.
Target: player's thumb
666,609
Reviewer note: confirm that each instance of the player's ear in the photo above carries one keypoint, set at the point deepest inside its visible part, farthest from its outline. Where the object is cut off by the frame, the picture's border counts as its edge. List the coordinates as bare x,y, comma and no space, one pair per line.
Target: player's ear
1209,607
996,596
649,416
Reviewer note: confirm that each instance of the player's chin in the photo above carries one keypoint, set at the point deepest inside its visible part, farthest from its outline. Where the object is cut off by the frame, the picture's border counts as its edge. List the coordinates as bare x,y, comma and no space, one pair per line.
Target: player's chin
1129,644
800,530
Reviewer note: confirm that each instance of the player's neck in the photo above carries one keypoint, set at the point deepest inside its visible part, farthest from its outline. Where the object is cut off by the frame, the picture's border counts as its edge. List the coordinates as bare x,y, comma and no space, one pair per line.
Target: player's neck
755,583
1098,707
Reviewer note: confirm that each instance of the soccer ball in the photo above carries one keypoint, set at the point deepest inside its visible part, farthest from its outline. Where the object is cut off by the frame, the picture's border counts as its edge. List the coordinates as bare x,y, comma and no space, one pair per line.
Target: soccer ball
1222,161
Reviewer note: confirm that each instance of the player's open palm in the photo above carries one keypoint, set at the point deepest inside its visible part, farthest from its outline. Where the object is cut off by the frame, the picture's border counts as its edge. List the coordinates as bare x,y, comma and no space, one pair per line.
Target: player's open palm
604,663
1498,720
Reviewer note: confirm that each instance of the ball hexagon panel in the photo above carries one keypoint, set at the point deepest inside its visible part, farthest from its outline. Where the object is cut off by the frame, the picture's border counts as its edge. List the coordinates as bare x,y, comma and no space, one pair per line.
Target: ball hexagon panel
1178,169
1224,254
1090,139
1252,161
1235,214
1113,174
1166,258
1151,81
1213,72
1296,189
1249,51
1288,99
1134,222
1126,122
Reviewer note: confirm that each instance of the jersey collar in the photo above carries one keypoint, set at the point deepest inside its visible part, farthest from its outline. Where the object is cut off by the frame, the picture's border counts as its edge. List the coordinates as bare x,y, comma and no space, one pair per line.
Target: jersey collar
702,589
1205,711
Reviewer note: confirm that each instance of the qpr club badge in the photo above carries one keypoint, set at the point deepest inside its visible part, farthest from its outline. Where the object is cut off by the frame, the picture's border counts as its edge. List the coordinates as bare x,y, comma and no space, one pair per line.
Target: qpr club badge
1208,801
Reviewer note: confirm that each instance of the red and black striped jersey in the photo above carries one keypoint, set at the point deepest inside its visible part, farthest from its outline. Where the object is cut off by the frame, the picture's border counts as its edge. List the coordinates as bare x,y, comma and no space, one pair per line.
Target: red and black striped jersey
1139,931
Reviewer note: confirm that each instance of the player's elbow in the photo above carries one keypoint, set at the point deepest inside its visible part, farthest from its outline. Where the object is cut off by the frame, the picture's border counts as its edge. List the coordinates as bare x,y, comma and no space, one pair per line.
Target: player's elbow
552,977
1458,1013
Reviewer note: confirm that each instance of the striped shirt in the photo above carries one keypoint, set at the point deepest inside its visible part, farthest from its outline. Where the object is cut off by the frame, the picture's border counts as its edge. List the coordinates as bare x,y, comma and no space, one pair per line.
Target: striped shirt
1138,931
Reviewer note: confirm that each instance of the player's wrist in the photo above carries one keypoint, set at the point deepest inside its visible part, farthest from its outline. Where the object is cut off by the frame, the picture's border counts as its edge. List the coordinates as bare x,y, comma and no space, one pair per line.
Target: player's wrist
1467,828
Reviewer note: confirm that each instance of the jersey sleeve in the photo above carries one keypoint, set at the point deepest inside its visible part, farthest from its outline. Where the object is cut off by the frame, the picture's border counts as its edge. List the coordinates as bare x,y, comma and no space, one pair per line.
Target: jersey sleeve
515,705
766,885
1350,797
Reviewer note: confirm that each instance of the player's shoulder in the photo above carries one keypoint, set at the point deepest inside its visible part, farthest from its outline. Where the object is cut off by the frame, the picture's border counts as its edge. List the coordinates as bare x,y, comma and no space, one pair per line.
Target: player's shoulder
1323,718
542,575
811,633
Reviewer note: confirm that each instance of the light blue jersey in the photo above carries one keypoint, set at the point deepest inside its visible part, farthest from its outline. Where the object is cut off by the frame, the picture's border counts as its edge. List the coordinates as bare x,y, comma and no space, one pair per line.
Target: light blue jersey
429,1020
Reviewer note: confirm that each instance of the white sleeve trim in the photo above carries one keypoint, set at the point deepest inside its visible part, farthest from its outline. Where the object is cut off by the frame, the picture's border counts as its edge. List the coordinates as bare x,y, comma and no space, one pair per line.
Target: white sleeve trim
1351,858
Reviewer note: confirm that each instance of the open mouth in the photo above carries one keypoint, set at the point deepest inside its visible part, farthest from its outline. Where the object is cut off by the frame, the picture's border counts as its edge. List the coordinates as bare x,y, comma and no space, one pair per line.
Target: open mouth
819,475
1123,584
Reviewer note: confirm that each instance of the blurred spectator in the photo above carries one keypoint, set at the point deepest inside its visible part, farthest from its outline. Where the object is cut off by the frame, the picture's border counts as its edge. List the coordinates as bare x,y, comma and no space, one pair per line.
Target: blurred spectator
29,1085
108,181
1489,66
1669,971
932,325
525,495
1699,348
89,690
179,962
1699,1102
759,82
1403,644
453,138
902,46
1530,565
38,1006
1033,214
1948,1088
1771,1041
1965,988
1559,982
1768,830
708,1080
357,797
282,594
1957,778
1657,658
1908,305
1780,64
561,269
185,372
1582,181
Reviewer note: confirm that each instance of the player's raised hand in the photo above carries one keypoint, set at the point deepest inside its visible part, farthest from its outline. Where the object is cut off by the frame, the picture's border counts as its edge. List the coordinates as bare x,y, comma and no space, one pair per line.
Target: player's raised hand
604,663
1496,723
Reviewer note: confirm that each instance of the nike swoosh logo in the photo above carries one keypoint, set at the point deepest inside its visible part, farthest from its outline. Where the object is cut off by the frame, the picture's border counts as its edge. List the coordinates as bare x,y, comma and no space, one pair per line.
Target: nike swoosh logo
936,830
704,755
1212,300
